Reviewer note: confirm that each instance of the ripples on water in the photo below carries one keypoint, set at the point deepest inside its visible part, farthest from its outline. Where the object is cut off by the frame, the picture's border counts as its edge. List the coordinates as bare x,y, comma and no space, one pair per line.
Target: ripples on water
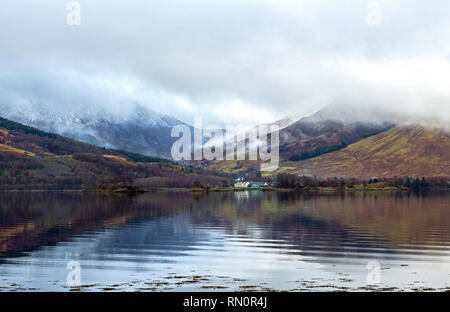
225,241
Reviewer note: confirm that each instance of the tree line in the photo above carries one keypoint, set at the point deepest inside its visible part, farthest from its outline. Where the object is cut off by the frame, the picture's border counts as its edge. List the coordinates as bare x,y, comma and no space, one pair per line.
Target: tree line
317,152
286,180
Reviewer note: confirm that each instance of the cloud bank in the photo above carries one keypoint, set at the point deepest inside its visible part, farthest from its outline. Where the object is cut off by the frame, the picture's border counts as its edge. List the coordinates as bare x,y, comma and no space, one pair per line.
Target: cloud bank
228,61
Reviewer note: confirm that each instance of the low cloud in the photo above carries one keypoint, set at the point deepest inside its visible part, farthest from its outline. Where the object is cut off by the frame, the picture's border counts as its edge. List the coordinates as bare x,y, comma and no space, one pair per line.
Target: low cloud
240,62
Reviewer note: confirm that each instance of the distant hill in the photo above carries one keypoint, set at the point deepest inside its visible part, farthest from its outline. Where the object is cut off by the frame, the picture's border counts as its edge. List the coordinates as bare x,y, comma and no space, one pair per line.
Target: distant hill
401,151
307,138
138,129
330,129
333,127
34,159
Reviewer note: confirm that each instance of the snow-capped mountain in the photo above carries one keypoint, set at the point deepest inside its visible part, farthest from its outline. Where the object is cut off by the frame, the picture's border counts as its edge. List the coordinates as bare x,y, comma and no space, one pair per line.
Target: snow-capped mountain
136,128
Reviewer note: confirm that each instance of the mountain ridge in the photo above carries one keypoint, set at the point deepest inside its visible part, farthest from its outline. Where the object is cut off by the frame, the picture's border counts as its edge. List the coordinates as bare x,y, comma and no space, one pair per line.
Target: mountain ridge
138,129
33,159
405,150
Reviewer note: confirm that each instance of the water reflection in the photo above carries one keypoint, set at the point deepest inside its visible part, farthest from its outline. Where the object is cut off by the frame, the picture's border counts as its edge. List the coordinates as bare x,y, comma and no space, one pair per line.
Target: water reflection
270,240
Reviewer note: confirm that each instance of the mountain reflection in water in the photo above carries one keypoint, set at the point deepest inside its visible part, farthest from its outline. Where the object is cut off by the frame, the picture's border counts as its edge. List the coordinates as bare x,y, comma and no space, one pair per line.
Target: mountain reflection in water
234,241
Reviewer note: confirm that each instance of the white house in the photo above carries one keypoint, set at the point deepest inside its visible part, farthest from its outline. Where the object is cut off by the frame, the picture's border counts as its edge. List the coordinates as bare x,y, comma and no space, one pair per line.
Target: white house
250,184
258,184
241,184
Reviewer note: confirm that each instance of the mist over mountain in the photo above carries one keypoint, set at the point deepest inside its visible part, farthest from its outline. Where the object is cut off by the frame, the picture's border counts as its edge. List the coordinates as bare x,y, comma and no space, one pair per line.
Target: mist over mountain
91,109
130,72
401,151
333,127
139,130
245,62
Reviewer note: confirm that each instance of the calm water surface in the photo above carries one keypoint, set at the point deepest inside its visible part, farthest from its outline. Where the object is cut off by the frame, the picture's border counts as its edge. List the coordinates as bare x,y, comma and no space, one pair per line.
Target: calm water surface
178,241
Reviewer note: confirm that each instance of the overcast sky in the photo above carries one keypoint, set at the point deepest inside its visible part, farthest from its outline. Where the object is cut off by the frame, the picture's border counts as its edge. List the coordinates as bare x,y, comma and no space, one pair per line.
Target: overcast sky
243,61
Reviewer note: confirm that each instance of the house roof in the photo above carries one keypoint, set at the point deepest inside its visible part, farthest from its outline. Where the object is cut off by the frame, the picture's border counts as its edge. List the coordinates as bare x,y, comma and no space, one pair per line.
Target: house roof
258,183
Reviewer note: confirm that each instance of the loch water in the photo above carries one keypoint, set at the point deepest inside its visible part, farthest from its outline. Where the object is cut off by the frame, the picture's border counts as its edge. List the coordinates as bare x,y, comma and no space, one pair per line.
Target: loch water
225,241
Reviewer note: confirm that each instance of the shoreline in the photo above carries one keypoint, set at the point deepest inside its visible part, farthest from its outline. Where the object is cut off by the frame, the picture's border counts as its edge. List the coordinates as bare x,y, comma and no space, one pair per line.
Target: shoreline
226,189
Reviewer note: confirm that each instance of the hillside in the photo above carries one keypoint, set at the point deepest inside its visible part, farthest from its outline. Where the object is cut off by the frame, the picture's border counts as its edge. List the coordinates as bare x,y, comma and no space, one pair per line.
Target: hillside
330,129
138,129
34,159
306,138
402,151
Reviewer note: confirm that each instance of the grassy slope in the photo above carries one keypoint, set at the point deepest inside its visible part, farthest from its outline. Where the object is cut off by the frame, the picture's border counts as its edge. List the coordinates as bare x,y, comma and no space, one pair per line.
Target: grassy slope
30,158
303,137
401,151
324,135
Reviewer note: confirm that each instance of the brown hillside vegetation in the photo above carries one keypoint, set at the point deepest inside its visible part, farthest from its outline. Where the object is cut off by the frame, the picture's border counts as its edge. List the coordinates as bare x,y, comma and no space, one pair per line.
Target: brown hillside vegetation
312,136
401,151
33,159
